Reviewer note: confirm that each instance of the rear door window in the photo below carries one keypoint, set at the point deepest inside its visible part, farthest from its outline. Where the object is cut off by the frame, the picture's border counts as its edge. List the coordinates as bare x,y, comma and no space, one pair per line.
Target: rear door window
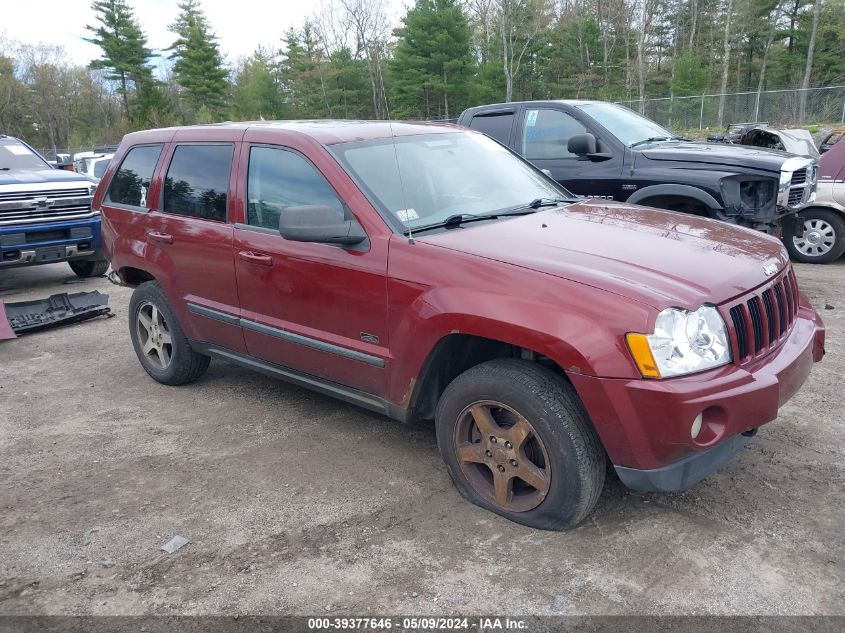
497,126
131,182
197,181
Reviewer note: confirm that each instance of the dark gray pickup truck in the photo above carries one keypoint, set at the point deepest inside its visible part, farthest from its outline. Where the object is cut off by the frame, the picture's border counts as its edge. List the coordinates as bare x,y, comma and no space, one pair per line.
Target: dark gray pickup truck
604,150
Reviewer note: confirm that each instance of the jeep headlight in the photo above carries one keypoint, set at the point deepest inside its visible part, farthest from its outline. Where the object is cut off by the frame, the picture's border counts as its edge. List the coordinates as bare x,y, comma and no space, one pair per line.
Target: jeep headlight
683,342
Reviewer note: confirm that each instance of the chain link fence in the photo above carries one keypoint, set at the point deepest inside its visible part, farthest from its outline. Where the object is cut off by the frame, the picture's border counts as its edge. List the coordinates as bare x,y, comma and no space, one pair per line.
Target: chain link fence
50,153
780,108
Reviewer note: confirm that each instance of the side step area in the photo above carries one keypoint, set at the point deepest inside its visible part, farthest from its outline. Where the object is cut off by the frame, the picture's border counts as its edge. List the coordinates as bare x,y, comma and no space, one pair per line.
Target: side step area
326,387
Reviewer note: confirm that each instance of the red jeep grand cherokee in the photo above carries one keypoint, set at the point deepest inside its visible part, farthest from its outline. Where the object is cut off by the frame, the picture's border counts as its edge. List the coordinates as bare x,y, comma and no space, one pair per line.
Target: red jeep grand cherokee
426,272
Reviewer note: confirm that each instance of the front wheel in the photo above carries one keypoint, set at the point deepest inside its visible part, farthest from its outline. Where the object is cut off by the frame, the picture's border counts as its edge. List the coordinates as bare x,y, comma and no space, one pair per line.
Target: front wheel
817,236
86,268
517,441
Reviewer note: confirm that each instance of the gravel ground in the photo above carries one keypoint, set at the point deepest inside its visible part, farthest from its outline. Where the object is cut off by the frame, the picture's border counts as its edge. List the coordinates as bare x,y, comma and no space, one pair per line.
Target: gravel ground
296,503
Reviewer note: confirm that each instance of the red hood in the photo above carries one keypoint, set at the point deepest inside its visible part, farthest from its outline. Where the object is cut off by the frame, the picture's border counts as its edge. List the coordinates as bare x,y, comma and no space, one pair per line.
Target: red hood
657,257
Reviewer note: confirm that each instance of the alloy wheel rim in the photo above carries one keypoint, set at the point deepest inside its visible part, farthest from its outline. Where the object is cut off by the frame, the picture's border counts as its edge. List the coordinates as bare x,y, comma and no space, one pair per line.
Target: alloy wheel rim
817,239
502,456
154,335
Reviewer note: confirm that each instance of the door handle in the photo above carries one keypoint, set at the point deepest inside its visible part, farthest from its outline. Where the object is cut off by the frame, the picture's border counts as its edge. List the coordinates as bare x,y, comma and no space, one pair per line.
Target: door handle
157,236
256,258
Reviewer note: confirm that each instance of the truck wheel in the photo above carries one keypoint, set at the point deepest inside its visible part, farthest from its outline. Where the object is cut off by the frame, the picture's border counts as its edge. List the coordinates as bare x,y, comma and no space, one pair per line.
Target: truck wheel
161,346
89,267
817,237
517,441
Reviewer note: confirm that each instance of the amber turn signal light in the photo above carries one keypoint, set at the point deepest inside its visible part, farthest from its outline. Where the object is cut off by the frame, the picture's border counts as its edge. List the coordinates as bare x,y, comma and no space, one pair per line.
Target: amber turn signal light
641,351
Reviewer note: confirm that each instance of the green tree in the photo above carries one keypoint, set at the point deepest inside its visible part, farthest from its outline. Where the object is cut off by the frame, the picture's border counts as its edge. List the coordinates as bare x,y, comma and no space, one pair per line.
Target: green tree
198,65
431,65
301,75
124,45
256,91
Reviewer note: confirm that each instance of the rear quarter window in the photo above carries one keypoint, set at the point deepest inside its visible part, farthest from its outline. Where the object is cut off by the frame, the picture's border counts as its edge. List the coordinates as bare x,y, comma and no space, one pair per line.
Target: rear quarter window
497,126
131,182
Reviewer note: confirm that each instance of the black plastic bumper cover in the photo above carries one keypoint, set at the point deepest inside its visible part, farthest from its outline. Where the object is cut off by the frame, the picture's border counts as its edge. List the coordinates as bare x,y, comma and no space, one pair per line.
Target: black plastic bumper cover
685,472
56,310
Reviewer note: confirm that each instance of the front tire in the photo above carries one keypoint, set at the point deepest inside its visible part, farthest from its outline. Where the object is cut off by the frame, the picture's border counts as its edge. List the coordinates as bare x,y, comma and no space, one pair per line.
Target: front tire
86,268
517,441
161,346
817,236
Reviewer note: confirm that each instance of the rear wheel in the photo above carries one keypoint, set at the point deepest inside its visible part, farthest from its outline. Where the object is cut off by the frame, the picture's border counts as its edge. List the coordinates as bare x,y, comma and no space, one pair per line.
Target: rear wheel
816,237
161,346
517,441
89,267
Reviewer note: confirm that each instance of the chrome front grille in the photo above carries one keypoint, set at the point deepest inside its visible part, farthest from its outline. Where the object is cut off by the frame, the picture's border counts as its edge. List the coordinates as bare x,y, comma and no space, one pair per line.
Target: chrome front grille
798,177
761,321
797,187
40,205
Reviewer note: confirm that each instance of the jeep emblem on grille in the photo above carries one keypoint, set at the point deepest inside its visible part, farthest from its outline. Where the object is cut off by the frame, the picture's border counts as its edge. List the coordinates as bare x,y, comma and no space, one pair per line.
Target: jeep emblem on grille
770,269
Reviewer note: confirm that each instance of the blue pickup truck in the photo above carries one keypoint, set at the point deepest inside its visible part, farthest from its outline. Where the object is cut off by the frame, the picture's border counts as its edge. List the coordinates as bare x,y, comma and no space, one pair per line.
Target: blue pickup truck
45,213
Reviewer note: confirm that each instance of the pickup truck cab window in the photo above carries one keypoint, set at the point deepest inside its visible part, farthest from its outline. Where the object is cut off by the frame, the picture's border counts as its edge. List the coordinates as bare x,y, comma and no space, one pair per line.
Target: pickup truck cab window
197,181
441,175
496,125
546,133
279,178
131,182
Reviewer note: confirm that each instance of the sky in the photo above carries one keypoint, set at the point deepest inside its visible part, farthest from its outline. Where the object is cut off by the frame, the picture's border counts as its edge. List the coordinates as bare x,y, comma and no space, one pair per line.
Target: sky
240,25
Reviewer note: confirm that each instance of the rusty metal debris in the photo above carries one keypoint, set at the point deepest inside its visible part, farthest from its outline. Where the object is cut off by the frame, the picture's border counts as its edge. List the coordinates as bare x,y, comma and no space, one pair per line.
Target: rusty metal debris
60,309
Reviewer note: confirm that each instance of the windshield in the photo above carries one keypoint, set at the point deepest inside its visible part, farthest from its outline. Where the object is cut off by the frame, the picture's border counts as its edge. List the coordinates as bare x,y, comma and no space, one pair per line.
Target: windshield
443,175
15,156
100,167
626,125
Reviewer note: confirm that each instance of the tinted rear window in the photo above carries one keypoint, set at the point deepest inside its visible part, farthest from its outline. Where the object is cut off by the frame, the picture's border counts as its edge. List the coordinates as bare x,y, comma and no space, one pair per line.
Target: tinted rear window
197,181
497,126
132,181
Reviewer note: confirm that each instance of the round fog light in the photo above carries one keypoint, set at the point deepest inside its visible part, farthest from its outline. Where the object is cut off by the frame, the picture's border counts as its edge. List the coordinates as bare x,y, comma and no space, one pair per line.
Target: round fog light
696,426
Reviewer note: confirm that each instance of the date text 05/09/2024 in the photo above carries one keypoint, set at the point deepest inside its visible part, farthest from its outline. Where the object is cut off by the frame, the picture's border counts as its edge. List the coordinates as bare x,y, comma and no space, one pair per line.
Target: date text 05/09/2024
430,623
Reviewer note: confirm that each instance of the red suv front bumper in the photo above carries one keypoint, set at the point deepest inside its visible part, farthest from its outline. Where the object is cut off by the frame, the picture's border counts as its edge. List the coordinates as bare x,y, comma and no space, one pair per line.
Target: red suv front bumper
646,425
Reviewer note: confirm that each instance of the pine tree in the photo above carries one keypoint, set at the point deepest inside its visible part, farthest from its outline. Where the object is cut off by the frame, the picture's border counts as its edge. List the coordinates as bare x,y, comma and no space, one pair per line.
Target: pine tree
301,75
125,53
432,62
256,93
198,66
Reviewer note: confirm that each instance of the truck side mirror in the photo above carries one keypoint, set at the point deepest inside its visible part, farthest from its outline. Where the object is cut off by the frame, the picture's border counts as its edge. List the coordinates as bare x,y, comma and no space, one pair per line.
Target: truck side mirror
582,145
319,223
585,147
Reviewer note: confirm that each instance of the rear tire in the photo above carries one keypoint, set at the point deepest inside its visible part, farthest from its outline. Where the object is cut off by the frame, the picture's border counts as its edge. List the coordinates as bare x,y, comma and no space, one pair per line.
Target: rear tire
86,268
816,237
517,441
161,346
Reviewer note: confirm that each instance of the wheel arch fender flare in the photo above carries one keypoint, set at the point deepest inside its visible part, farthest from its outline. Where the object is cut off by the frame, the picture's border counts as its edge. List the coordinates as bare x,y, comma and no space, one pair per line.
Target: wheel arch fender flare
568,337
685,191
826,205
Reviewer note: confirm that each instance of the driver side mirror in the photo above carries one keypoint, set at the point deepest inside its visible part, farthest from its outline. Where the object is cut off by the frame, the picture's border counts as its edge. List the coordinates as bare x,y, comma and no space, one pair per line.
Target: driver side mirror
584,146
319,223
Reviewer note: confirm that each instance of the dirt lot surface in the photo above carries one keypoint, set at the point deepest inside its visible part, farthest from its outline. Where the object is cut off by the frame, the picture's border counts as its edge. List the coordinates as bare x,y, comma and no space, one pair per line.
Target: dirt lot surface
297,503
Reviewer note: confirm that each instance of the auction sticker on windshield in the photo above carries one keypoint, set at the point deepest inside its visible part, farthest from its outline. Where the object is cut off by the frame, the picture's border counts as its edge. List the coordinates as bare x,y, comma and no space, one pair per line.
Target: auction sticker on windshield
18,150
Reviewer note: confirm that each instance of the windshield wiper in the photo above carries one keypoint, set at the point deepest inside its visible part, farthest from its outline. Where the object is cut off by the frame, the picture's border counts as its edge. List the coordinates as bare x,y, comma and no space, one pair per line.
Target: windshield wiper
656,139
546,202
458,219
